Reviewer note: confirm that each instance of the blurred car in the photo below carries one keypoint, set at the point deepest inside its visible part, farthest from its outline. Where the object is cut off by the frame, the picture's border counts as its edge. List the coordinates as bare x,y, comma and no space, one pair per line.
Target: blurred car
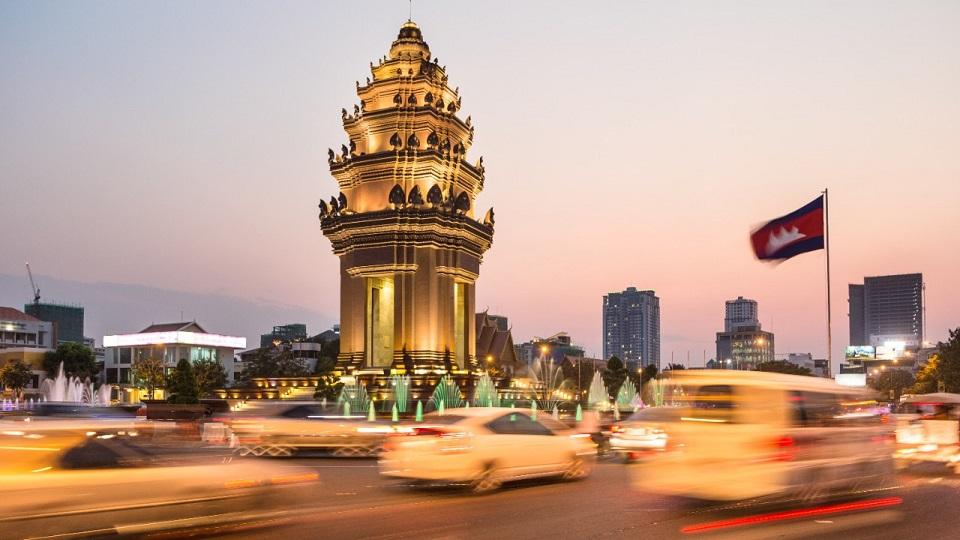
36,442
285,428
928,429
643,435
486,446
749,434
63,472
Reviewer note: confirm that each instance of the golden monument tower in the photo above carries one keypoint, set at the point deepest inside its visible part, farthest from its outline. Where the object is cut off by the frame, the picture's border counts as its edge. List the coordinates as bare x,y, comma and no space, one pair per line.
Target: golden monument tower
403,224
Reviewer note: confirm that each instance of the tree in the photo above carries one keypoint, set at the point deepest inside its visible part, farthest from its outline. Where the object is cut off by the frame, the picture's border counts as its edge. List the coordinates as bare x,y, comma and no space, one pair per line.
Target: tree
673,367
148,373
78,361
209,375
268,364
948,368
928,378
330,350
648,373
892,382
782,366
15,375
328,385
942,370
614,375
182,384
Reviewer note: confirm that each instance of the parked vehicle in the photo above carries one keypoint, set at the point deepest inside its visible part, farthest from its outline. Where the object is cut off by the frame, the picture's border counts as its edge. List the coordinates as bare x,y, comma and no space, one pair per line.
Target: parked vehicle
749,434
484,447
928,429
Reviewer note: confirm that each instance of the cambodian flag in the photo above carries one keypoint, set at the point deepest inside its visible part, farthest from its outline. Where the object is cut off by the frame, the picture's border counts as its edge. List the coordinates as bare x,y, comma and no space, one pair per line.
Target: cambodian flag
795,233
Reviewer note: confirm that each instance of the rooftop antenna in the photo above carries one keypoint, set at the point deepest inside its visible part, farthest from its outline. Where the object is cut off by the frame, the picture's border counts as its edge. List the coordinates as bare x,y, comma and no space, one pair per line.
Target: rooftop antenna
33,286
410,16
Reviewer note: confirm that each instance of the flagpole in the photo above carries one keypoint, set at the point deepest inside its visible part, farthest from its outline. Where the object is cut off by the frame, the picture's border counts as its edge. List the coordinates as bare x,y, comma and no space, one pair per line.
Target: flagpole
826,236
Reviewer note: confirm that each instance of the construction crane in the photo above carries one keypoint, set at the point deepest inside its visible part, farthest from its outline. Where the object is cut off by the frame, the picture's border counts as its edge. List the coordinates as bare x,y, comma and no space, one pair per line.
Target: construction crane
33,286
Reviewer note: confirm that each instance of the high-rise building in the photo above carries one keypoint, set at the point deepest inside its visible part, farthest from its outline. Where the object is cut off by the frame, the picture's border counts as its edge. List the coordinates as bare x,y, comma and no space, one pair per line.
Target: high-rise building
631,327
404,223
286,333
744,348
740,313
67,320
887,308
858,326
742,344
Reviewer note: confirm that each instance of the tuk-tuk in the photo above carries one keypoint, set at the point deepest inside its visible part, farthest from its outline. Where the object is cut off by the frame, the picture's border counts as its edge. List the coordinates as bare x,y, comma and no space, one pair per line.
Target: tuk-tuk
928,429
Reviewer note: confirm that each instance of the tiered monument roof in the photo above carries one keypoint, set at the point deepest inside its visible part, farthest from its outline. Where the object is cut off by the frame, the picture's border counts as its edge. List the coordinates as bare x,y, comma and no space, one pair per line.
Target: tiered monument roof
406,132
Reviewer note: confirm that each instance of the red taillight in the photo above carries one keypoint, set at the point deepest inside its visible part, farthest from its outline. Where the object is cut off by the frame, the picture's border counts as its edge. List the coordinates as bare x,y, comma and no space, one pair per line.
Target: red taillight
785,448
427,432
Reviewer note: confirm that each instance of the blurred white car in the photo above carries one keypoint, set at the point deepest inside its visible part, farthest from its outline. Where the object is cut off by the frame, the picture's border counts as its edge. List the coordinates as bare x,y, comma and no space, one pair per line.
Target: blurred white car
486,446
64,476
286,428
748,434
644,434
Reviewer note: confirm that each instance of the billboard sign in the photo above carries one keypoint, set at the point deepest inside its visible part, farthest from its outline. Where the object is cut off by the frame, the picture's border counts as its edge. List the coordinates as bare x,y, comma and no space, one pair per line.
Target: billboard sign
852,379
891,350
861,352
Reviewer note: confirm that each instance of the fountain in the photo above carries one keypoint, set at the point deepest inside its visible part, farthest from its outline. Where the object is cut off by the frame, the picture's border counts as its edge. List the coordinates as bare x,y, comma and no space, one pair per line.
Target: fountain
72,390
446,394
628,398
401,392
354,395
485,393
665,393
551,385
598,398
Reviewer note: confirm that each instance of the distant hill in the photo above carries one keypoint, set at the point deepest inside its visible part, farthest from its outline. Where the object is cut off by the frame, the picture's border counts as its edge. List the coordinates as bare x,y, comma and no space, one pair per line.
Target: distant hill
112,308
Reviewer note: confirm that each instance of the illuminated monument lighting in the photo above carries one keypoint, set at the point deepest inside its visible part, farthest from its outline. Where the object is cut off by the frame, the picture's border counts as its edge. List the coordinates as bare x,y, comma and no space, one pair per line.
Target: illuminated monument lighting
403,224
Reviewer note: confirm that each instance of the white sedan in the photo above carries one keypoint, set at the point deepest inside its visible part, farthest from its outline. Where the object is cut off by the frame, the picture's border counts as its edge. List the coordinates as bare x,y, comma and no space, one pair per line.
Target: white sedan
486,446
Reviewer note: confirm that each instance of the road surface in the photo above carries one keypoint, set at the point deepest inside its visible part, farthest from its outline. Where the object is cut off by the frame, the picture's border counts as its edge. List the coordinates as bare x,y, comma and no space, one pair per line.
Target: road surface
350,500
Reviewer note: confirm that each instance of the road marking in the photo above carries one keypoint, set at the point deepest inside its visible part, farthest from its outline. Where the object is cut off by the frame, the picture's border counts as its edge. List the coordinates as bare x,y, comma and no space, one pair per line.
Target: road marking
792,514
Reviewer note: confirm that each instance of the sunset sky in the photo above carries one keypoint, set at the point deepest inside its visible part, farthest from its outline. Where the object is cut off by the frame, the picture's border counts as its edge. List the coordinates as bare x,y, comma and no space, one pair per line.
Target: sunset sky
182,145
